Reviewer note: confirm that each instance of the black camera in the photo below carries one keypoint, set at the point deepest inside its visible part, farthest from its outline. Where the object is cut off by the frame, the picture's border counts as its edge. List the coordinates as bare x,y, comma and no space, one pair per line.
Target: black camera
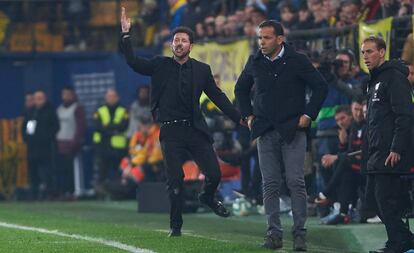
337,63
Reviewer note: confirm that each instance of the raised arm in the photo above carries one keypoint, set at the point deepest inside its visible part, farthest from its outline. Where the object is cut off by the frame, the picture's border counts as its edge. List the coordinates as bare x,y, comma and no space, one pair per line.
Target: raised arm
125,21
138,64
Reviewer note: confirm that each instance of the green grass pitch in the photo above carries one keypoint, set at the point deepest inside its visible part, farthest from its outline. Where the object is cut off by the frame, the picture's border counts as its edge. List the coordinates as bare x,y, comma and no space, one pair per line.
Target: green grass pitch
119,222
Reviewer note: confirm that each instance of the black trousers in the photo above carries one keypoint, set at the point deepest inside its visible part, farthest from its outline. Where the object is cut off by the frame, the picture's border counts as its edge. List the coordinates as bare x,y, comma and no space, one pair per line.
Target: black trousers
343,184
391,193
65,177
177,143
108,165
42,178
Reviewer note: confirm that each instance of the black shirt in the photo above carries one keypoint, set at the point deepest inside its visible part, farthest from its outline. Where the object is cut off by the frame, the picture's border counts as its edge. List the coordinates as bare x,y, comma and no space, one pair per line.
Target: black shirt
176,100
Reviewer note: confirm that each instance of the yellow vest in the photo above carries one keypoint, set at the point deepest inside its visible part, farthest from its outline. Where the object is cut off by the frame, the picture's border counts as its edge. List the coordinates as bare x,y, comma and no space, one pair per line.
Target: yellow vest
118,141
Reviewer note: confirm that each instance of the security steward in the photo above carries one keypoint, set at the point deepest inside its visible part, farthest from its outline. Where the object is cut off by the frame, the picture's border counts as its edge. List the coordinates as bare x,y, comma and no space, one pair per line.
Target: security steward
109,138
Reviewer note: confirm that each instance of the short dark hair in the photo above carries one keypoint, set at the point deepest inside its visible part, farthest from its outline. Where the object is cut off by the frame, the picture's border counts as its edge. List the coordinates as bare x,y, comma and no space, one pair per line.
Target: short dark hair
343,108
380,42
359,100
257,9
288,5
277,27
186,30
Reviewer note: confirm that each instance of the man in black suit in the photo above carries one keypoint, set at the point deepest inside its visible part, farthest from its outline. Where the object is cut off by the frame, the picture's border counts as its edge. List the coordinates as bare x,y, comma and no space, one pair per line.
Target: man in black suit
278,118
40,135
177,84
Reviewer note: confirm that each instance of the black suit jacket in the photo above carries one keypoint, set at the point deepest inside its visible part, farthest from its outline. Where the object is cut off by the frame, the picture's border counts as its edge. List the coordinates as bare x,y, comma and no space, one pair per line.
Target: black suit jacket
41,144
279,99
202,81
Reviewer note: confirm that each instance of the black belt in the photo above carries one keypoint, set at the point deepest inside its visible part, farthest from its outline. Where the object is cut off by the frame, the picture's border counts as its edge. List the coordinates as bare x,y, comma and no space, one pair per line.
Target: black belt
177,122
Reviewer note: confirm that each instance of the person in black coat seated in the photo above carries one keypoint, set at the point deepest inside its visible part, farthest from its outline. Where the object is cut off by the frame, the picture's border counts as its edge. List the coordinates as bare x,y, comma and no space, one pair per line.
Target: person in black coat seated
177,84
40,128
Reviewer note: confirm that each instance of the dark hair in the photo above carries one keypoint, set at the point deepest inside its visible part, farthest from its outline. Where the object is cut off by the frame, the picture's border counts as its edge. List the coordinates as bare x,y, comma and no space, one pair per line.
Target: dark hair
186,30
343,108
359,100
277,27
259,10
377,40
288,5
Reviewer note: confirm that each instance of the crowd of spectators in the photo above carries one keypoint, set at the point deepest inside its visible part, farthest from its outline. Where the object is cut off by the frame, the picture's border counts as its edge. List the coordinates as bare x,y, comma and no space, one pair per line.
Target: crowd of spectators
222,19
227,18
83,24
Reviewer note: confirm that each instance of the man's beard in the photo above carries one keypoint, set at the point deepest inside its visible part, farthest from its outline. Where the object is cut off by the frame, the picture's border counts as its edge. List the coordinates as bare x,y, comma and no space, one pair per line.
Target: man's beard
184,54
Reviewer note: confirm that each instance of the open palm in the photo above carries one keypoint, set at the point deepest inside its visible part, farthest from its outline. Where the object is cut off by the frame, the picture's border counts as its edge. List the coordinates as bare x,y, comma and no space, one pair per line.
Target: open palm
125,21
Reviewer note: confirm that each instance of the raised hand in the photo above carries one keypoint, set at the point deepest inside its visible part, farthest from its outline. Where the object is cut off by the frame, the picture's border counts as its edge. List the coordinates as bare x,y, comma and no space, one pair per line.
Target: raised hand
125,21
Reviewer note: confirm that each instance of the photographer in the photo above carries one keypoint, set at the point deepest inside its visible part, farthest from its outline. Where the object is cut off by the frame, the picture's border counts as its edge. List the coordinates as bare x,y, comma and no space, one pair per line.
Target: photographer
343,88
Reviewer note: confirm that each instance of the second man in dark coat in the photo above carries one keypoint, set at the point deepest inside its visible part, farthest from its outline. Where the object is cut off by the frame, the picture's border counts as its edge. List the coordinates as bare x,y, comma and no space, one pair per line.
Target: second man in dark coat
278,118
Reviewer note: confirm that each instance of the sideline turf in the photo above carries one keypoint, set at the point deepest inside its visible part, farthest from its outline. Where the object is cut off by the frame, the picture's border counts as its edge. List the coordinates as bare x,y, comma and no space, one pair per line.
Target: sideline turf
203,232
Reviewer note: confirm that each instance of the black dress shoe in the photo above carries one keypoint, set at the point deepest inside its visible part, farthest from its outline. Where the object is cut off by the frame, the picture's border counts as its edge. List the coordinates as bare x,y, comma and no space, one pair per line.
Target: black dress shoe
174,233
272,242
219,209
216,206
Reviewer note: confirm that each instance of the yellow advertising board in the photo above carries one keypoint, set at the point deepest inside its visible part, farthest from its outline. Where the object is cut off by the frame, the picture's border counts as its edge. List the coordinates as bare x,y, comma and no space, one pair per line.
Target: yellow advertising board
13,162
226,60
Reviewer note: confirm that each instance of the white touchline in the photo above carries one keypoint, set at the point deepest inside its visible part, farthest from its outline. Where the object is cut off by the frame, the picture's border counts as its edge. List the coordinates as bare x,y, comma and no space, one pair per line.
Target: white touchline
191,233
110,243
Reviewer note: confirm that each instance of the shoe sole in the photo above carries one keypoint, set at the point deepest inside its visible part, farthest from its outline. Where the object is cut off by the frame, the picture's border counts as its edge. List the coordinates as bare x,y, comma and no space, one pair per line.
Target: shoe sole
299,249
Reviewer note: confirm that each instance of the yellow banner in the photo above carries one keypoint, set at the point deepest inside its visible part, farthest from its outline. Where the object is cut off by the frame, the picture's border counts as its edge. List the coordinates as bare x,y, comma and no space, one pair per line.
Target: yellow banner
4,22
13,161
226,60
382,29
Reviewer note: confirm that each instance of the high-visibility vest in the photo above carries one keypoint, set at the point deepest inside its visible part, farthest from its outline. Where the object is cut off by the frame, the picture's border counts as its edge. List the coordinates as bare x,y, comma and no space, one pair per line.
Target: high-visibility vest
412,96
118,141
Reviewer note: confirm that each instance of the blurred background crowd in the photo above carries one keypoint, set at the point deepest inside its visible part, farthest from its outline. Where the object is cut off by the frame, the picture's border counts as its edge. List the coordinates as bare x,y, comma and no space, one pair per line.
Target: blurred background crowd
118,134
89,25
